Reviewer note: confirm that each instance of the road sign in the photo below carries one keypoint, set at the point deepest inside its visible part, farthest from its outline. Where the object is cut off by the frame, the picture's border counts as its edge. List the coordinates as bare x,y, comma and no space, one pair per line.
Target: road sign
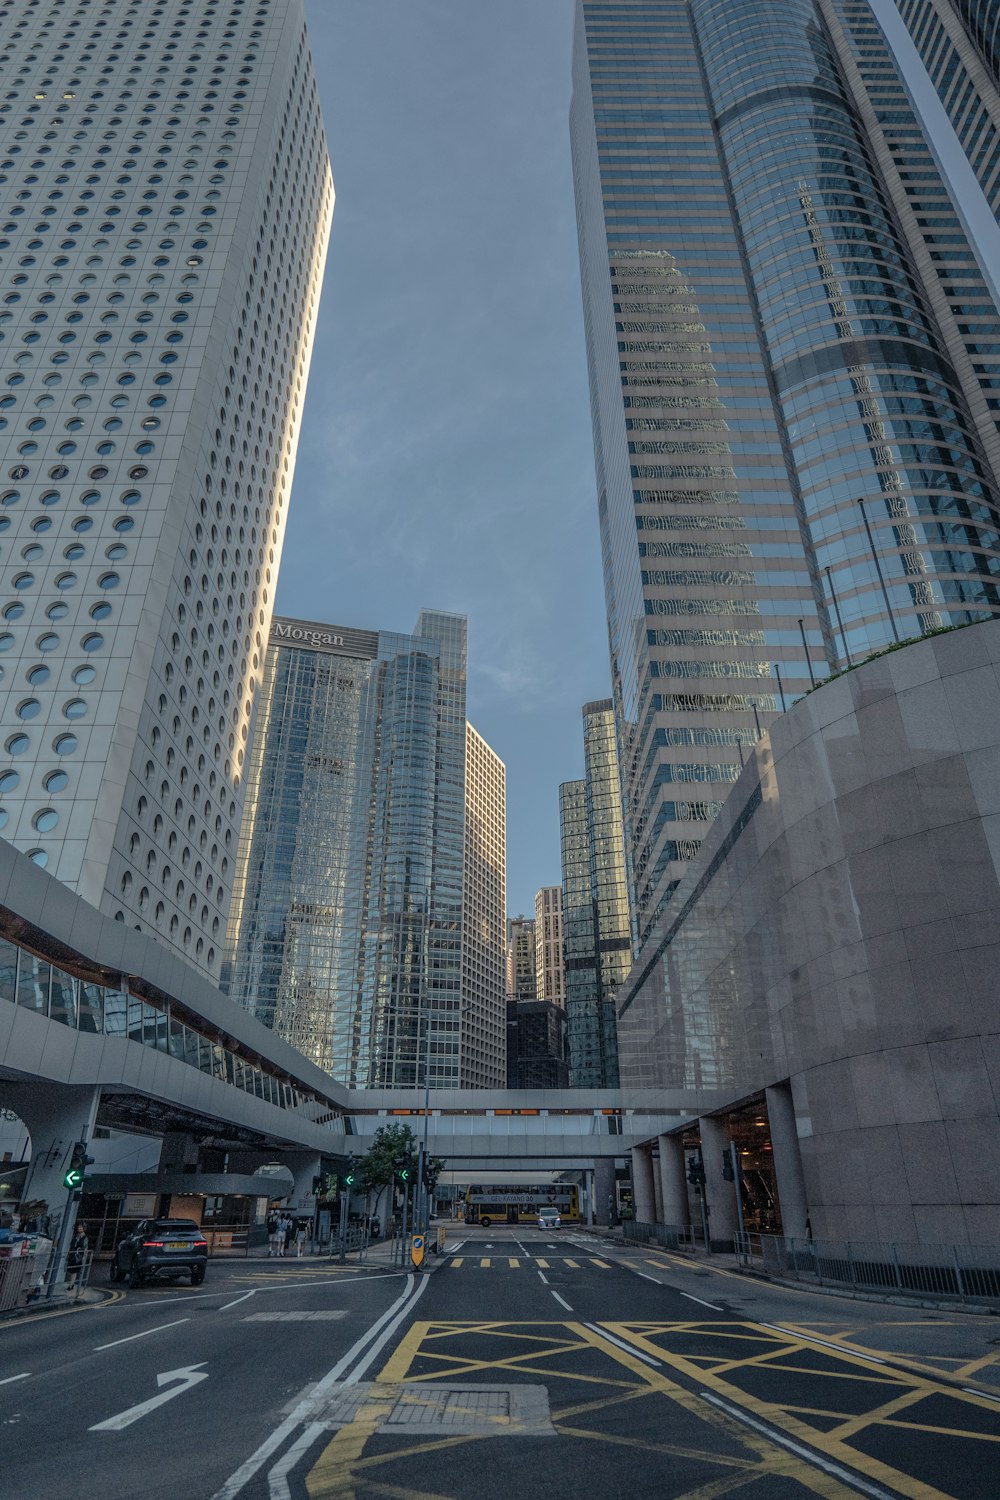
417,1249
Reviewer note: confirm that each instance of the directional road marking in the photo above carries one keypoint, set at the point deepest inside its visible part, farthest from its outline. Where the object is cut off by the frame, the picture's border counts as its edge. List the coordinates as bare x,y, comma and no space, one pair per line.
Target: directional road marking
183,1380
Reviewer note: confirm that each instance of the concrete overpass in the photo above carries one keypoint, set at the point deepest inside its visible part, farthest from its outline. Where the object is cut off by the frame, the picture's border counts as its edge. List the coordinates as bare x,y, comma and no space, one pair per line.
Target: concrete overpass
102,1030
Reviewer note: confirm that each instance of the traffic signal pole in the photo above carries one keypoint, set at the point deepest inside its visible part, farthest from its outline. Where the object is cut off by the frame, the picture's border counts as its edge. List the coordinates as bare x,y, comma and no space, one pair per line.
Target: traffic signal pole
72,1182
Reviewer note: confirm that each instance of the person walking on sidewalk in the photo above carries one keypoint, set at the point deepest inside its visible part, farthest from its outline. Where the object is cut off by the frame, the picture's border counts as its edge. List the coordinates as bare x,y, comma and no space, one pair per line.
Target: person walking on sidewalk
300,1237
76,1260
275,1235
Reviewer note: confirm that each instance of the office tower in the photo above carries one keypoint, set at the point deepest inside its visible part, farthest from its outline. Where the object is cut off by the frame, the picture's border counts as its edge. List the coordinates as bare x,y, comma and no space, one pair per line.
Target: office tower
536,1045
167,203
484,904
549,938
598,943
522,983
794,449
352,897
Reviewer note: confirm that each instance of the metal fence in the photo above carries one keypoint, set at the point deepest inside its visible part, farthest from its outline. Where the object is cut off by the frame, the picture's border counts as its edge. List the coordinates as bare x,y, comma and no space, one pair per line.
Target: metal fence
668,1236
965,1273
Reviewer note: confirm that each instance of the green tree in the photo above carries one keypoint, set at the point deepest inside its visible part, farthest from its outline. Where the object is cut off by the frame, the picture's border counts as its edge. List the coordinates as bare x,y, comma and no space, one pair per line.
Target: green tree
376,1169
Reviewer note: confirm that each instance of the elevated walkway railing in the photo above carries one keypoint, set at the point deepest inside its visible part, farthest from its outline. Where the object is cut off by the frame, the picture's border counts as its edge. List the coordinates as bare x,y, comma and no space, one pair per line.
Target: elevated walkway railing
964,1273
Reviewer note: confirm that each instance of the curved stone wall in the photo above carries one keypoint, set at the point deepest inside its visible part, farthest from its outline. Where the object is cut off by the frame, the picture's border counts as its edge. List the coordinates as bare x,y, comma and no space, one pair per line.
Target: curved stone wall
841,929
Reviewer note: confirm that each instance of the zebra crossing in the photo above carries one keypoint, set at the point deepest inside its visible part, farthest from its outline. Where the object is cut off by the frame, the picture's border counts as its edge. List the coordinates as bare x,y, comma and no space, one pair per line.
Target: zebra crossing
519,1262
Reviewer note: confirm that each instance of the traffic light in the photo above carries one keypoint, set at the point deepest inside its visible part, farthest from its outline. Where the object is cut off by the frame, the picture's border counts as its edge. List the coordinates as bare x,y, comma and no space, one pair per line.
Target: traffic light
317,1186
351,1175
696,1172
404,1170
79,1161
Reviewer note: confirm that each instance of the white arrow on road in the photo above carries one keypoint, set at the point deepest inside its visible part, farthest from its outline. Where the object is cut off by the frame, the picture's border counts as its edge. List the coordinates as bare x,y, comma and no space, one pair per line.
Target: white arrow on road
189,1376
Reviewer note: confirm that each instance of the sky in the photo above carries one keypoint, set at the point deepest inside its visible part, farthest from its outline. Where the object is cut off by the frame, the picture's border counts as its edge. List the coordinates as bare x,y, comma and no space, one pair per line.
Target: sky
445,459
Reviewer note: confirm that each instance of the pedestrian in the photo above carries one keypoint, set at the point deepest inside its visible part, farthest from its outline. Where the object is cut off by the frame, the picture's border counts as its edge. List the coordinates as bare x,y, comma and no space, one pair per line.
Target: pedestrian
300,1237
77,1257
289,1232
273,1234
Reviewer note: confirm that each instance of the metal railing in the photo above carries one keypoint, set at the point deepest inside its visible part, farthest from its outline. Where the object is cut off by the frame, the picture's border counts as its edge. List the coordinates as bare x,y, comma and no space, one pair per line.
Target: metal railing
964,1273
228,1239
668,1236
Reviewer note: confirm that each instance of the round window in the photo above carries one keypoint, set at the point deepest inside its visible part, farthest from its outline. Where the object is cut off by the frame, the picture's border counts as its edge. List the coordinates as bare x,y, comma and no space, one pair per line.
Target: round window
100,611
38,857
64,744
38,675
108,581
83,675
17,744
92,642
47,642
74,709
56,781
66,580
9,780
6,641
28,708
24,580
45,820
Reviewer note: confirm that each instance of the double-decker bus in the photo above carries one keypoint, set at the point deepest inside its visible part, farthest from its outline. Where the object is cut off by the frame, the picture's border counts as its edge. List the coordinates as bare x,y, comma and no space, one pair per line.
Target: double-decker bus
495,1204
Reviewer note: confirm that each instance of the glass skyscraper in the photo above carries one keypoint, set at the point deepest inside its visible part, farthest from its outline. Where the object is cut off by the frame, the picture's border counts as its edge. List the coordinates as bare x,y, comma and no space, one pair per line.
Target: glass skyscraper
166,203
791,350
349,921
598,943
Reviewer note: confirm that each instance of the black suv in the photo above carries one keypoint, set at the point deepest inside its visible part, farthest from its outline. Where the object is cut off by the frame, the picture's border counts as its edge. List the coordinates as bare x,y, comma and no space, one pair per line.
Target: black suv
160,1245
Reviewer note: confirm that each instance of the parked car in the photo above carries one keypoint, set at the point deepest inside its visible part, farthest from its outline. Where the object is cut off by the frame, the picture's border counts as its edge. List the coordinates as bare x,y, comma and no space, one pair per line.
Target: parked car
548,1218
161,1247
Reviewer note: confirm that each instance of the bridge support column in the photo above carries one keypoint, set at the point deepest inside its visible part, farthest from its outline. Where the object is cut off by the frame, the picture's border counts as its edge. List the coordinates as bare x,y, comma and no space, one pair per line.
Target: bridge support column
604,1190
720,1195
787,1161
643,1200
57,1115
673,1182
304,1166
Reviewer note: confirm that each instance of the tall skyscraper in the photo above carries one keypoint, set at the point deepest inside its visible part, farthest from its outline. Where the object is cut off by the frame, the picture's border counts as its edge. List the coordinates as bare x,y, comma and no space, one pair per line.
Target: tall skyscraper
167,204
795,449
522,980
484,907
549,945
598,942
371,859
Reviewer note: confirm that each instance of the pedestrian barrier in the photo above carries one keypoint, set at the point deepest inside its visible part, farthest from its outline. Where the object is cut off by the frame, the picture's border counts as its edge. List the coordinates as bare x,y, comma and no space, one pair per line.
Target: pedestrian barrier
228,1240
667,1236
965,1273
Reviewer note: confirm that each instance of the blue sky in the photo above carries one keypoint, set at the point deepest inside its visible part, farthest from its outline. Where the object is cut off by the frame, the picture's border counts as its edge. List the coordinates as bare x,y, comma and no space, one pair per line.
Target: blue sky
445,459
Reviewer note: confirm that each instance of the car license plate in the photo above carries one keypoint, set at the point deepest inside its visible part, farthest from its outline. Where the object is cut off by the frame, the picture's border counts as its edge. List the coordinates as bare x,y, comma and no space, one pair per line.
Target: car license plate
177,1244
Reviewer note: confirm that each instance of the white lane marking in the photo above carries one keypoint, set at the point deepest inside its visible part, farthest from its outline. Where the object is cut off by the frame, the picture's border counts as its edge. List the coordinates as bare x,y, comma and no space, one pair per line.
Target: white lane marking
277,1479
251,1293
691,1298
9,1379
385,1335
844,1475
303,1407
969,1390
561,1300
649,1278
544,1277
143,1335
810,1338
603,1333
188,1376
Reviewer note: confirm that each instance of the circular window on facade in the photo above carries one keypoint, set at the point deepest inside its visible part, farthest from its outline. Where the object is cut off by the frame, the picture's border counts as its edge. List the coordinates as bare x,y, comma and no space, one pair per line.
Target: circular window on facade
131,497
9,780
98,472
38,857
6,641
17,744
100,611
57,611
74,709
92,642
66,581
41,523
4,815
64,744
90,497
28,708
83,523
138,472
47,642
38,675
51,497
117,552
10,497
32,552
83,675
13,611
124,523
56,781
23,580
76,550
45,820
108,581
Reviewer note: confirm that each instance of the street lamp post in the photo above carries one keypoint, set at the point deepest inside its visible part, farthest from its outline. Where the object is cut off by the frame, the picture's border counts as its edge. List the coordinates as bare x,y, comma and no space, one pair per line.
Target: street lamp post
421,1224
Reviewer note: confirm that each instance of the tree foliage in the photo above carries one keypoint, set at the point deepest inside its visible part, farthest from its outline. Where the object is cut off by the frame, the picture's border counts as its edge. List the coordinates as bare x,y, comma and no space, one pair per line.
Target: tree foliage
376,1169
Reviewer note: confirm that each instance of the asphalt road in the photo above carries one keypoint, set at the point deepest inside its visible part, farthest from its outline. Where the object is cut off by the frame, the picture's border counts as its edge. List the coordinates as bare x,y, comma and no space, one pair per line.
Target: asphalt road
527,1365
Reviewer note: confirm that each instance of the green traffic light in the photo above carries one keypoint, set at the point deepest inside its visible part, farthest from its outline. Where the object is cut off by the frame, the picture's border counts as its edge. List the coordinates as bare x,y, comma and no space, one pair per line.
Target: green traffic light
349,1180
404,1174
73,1178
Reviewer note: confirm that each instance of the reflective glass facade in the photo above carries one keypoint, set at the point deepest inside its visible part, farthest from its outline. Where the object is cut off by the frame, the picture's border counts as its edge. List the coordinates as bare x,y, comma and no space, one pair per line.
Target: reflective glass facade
598,944
791,440
347,927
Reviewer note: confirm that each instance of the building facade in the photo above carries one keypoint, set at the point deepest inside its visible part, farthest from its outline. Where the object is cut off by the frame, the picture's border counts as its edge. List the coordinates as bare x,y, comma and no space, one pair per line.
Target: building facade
550,957
361,871
167,203
795,446
522,982
597,937
536,1045
484,908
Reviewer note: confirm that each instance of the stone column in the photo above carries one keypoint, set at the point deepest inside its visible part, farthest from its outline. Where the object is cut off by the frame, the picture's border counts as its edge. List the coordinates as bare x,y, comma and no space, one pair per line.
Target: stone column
57,1115
787,1161
720,1195
673,1182
643,1201
657,1194
605,1206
